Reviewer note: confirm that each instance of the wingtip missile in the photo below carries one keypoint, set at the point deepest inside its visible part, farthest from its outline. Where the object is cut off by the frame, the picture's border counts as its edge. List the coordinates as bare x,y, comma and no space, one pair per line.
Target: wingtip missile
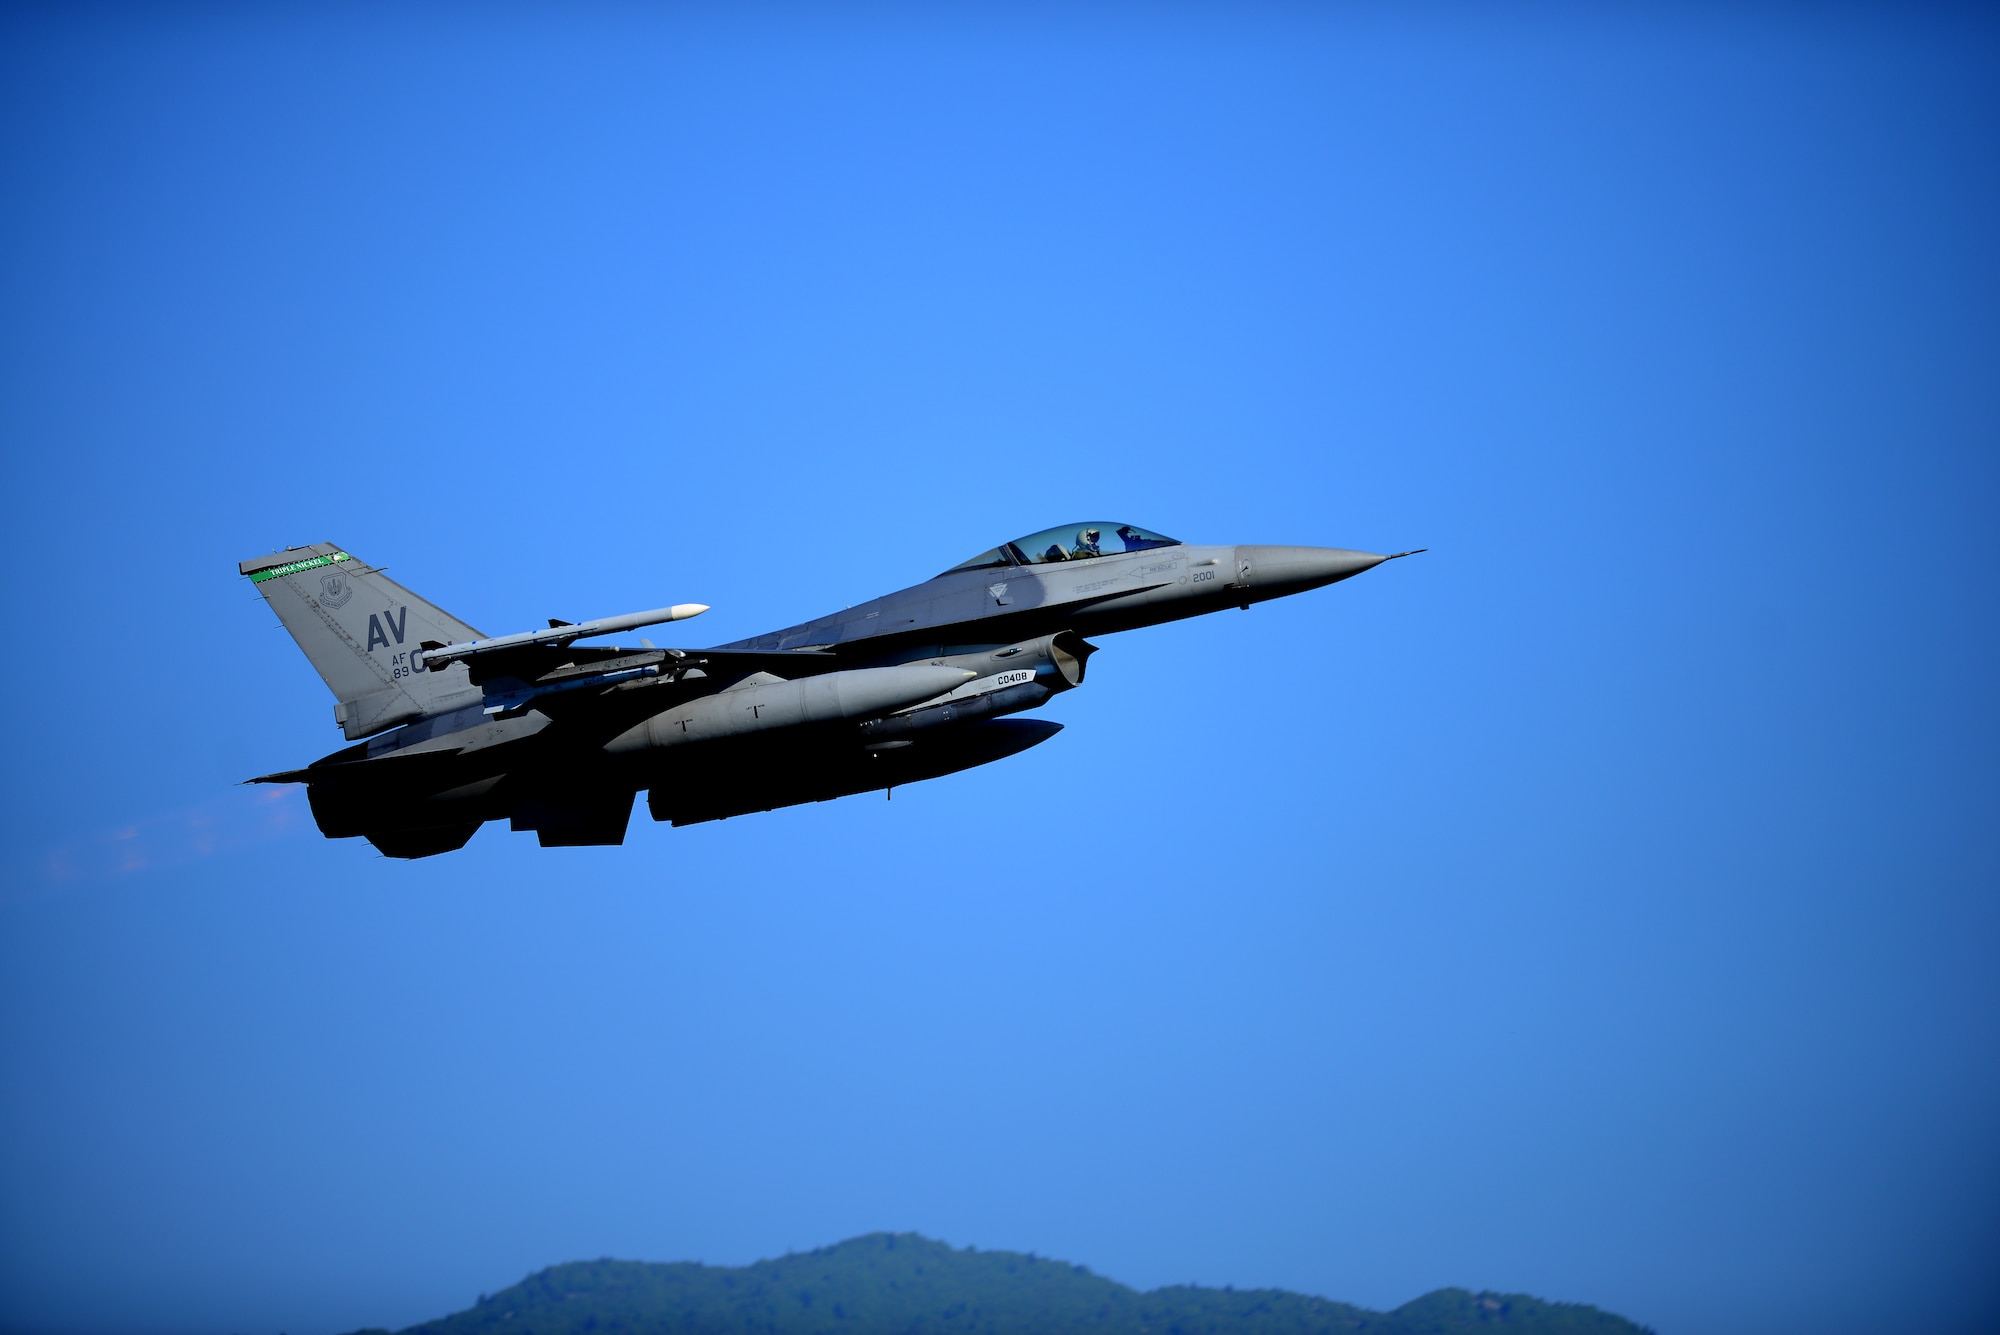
561,632
633,620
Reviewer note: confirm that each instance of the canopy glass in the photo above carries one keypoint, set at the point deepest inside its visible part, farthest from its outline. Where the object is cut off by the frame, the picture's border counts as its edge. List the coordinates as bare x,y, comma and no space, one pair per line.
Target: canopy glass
1068,542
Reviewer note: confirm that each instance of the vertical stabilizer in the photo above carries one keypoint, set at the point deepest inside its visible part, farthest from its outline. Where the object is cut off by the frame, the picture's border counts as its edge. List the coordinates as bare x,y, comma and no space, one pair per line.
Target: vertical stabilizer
361,629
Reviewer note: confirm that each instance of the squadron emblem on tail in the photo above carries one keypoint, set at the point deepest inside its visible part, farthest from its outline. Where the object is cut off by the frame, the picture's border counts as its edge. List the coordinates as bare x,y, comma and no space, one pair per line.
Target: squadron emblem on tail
334,592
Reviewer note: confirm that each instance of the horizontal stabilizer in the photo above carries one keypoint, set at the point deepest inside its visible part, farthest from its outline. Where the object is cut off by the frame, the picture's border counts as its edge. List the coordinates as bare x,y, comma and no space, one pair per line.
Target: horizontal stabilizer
345,766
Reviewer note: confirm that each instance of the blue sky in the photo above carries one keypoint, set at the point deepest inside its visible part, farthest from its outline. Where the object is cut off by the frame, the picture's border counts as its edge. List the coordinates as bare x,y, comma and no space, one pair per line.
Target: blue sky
1602,905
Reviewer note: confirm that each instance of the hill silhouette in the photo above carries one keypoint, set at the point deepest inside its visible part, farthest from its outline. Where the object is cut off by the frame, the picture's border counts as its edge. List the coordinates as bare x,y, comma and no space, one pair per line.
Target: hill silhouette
903,1284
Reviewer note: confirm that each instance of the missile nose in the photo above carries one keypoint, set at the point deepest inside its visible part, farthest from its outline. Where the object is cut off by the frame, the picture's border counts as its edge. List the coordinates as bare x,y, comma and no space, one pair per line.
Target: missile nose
1280,570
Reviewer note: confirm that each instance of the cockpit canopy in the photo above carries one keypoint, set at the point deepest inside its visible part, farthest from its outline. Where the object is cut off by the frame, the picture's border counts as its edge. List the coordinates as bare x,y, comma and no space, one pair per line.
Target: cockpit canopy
1068,542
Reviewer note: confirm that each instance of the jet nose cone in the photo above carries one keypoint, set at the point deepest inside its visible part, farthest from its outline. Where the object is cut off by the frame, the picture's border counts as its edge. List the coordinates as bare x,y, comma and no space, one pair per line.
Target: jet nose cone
1278,570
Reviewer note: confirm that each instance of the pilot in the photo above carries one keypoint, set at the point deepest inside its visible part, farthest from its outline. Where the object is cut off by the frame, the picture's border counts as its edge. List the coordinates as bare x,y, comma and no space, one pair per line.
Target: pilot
1086,545
1134,540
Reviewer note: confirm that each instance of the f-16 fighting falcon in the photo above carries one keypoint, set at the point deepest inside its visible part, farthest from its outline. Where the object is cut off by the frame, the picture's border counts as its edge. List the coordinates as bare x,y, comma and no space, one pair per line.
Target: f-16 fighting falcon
453,728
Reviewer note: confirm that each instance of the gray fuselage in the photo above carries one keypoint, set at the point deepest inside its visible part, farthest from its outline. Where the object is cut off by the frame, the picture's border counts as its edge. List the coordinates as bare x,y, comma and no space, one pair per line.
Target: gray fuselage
558,737
1097,596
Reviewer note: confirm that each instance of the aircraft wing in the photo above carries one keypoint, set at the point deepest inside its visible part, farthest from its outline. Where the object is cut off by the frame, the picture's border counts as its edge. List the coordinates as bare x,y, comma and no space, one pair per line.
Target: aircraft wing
555,678
551,662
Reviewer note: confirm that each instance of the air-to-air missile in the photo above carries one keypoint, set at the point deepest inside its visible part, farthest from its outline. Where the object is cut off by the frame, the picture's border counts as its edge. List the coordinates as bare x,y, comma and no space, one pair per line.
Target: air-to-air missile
452,728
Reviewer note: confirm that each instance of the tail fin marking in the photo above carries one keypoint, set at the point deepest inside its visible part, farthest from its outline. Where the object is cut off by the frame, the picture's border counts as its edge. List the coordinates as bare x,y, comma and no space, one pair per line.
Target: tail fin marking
360,630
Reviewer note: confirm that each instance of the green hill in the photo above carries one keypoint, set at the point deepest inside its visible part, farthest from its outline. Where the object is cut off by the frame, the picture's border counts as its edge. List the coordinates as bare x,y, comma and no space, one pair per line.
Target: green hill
909,1285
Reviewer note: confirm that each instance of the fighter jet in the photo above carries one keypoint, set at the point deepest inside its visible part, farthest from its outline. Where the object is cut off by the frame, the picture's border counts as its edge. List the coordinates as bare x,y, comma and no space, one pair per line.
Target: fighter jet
453,728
